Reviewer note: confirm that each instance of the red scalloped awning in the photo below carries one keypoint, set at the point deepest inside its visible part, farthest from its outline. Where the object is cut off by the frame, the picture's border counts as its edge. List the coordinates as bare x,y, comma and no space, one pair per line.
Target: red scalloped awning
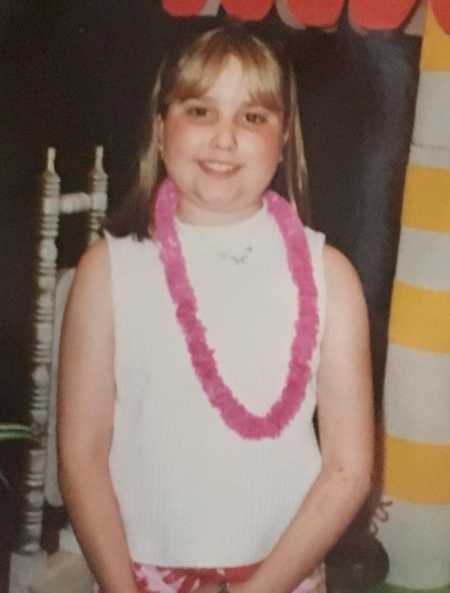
380,14
250,10
323,13
441,10
366,14
183,7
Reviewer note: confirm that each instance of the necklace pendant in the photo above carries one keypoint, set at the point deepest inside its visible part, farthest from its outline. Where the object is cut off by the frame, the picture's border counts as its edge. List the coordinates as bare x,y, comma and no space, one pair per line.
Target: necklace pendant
237,258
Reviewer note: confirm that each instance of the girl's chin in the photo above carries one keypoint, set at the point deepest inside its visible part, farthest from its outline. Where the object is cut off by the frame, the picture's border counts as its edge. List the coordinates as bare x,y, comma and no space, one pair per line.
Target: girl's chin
227,197
216,211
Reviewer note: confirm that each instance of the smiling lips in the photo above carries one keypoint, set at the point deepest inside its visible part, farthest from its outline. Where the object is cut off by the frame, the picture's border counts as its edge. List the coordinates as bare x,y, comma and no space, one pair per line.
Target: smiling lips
219,168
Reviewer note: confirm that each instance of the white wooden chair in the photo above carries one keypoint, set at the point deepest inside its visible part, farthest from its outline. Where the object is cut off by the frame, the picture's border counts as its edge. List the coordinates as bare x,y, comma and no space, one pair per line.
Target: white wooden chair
28,559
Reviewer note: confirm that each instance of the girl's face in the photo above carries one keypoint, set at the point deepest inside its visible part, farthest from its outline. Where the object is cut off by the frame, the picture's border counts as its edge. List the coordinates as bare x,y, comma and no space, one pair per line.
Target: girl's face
221,150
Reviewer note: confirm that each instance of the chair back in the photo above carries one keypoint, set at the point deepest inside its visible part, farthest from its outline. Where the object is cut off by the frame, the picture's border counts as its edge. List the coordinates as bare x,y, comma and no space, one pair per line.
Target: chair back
27,558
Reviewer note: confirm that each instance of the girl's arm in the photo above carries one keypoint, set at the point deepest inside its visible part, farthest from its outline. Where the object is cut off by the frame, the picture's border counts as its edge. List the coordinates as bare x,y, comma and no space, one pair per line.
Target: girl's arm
346,436
85,420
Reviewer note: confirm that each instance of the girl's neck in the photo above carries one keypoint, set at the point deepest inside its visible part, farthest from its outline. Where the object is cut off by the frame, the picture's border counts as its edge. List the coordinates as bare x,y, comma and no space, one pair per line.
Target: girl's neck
189,214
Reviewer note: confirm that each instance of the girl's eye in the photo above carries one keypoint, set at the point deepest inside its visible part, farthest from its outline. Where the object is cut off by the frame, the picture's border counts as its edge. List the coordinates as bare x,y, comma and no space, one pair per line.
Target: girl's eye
255,118
198,111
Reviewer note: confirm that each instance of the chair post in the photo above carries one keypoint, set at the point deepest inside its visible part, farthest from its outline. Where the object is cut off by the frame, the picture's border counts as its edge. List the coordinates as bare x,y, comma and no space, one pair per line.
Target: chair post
28,558
98,182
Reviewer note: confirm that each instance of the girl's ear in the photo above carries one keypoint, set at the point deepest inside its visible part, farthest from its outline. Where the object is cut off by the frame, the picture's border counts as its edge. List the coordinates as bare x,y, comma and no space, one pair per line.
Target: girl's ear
159,132
285,138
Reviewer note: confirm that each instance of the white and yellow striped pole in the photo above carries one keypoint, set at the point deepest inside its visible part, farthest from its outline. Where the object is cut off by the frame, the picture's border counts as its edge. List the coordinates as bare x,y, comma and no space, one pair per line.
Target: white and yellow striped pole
417,385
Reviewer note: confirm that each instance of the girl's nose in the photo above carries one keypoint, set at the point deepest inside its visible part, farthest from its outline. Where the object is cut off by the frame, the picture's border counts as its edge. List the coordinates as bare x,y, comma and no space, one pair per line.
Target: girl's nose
225,135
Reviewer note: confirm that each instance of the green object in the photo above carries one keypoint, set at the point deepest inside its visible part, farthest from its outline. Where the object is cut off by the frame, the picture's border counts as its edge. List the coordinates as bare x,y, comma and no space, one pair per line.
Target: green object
387,588
10,431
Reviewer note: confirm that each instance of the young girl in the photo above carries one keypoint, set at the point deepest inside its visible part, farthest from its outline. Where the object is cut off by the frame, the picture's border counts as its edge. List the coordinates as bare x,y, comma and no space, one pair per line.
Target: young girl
199,337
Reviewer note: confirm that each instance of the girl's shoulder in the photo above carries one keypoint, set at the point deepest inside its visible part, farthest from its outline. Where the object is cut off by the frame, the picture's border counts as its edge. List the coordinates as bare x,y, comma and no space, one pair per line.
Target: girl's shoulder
92,272
94,259
89,302
338,268
343,285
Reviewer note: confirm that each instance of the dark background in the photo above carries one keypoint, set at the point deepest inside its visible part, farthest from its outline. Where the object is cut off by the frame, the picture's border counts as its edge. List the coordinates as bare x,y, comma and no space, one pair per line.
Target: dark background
77,74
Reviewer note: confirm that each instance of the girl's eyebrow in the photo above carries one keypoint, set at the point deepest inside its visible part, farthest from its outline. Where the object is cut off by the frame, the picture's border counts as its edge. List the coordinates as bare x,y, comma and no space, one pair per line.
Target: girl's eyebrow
206,98
250,104
245,104
258,105
255,104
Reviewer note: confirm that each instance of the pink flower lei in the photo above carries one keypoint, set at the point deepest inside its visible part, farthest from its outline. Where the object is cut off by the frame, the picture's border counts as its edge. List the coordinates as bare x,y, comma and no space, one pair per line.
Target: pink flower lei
235,414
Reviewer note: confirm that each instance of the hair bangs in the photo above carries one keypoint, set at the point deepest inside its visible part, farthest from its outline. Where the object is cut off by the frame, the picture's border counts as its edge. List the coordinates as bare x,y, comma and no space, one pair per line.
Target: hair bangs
195,76
197,70
263,80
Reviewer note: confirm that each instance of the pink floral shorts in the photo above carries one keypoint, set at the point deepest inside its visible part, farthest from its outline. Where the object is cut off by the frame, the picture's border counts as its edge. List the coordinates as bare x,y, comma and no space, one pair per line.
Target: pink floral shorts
153,579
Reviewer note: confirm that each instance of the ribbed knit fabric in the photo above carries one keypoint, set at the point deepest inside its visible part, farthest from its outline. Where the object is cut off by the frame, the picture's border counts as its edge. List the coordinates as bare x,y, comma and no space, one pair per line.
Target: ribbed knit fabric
192,492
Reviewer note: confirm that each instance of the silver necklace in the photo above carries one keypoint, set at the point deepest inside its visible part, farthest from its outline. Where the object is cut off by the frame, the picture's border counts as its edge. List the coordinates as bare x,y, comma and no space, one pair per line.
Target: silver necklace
238,257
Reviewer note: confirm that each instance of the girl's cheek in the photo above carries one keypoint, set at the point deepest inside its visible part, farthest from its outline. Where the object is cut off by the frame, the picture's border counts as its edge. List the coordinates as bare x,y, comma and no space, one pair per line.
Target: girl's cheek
181,135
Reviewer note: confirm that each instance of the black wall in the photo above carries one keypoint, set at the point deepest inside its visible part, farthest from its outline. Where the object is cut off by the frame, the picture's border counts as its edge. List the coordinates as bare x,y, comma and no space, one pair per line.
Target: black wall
76,74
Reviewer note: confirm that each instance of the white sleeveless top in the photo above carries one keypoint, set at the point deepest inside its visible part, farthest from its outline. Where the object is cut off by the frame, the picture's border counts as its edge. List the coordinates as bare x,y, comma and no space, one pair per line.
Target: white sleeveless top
192,492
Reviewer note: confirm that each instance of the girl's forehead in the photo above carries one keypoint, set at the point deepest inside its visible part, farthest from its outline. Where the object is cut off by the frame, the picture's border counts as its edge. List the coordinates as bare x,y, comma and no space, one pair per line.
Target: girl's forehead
230,81
229,76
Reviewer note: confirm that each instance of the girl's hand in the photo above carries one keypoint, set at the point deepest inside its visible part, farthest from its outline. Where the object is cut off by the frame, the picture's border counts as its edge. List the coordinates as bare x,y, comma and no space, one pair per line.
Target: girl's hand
214,587
207,588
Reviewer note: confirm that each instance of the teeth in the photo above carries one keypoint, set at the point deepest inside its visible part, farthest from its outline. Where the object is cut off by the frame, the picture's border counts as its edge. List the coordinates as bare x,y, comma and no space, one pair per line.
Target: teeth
219,167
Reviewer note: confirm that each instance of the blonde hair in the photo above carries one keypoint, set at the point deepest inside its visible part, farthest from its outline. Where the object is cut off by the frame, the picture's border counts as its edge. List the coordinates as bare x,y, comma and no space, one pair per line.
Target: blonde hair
189,72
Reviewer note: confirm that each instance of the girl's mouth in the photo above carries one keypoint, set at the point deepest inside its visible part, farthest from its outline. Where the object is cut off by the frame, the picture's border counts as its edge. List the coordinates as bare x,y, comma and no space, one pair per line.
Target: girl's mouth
220,168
